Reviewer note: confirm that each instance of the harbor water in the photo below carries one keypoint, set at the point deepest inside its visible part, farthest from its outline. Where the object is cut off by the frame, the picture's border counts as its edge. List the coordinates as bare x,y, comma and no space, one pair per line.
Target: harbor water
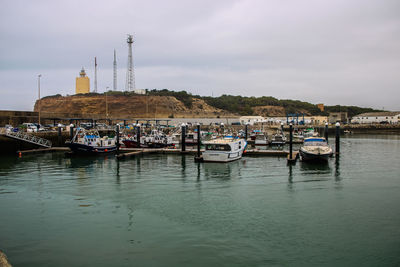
167,210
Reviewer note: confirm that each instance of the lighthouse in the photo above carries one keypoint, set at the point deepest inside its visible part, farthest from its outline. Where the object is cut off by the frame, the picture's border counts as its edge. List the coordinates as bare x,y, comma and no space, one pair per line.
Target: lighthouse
82,83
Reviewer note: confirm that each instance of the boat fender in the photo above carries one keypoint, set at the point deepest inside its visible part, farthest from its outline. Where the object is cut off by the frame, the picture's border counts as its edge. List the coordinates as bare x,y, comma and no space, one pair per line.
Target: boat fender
105,150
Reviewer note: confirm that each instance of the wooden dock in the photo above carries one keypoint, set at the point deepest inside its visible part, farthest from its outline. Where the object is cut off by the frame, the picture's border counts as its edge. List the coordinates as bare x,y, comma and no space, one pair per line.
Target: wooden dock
132,152
42,150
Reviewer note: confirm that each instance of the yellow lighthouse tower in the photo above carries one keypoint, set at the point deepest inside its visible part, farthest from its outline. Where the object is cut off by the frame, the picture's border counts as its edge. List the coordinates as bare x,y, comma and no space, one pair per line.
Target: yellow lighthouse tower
82,83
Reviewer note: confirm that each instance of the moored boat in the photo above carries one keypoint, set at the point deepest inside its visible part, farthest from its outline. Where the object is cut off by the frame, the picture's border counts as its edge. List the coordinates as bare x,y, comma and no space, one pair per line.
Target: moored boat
261,140
315,149
278,139
90,142
224,149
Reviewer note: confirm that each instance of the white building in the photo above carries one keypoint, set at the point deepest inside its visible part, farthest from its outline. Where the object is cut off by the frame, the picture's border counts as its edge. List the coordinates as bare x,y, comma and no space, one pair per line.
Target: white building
251,120
377,117
140,91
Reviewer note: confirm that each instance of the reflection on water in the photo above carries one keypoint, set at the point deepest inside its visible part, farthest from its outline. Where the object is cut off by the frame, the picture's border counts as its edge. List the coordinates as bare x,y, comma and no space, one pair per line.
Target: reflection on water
168,210
222,171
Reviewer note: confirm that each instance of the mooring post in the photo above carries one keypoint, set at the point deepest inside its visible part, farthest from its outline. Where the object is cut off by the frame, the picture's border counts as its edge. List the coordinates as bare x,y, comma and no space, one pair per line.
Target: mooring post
117,132
282,127
59,135
291,141
138,135
183,138
222,128
326,132
71,131
337,151
198,140
245,131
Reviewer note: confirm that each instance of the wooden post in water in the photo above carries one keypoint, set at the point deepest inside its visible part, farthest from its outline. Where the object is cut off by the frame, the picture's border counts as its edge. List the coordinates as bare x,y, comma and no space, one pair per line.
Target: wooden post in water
245,131
337,150
117,133
183,138
326,132
138,135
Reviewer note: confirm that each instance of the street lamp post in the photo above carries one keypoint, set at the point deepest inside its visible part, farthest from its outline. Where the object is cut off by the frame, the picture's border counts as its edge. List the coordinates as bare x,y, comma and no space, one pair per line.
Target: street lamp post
40,75
106,103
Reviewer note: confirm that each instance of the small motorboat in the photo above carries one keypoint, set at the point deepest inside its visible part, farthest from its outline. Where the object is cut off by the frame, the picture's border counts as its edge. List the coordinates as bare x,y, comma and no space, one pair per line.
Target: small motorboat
315,149
261,140
278,139
90,142
224,149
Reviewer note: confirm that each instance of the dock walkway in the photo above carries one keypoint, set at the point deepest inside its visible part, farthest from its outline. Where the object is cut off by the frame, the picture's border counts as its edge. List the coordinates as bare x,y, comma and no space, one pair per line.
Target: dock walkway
26,137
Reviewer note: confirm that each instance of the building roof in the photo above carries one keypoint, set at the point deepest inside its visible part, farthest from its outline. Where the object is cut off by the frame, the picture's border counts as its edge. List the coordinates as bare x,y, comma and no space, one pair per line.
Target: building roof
379,114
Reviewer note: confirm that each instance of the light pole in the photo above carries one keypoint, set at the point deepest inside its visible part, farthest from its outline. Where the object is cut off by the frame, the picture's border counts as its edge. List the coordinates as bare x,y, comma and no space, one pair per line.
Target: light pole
106,103
40,75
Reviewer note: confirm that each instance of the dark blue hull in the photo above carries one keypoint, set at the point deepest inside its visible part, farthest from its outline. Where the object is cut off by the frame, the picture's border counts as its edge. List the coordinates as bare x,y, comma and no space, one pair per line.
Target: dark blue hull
85,149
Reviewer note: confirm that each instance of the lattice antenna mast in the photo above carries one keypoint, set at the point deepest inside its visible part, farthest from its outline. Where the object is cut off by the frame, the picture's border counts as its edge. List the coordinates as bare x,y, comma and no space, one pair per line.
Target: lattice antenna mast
115,72
130,74
95,75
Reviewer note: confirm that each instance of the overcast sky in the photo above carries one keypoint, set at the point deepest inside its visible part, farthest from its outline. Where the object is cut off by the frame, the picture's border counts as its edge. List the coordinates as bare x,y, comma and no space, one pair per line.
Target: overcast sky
333,52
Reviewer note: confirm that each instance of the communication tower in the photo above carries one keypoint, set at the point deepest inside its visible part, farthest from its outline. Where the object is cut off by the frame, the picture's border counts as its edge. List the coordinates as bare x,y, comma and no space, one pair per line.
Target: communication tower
115,72
95,75
130,74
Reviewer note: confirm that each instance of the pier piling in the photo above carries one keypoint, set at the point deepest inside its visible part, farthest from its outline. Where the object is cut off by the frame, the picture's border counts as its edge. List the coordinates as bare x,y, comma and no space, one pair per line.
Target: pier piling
59,135
71,131
290,158
326,132
245,131
183,138
138,135
198,158
337,150
117,133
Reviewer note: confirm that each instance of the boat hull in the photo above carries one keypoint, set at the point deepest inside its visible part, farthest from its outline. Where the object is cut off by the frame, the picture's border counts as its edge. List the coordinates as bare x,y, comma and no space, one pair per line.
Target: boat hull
307,156
85,149
214,156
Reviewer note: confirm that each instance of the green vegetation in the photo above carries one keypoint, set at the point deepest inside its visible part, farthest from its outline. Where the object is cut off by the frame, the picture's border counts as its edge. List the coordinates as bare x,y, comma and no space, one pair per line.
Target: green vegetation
182,96
351,110
243,105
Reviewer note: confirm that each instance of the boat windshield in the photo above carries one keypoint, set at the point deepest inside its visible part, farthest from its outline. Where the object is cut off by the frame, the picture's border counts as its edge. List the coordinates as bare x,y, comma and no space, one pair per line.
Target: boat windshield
219,147
315,143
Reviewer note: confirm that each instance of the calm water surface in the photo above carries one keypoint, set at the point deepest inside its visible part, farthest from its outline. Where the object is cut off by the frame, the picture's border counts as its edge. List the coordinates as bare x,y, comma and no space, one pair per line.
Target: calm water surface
166,210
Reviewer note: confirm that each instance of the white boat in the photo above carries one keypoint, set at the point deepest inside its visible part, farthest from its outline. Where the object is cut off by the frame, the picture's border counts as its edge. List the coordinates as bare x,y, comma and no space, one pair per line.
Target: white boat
261,140
278,139
90,142
315,149
224,149
309,132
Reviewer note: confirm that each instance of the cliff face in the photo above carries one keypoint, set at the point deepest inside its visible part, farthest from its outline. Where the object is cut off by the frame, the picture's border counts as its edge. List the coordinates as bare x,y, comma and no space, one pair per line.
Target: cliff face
138,106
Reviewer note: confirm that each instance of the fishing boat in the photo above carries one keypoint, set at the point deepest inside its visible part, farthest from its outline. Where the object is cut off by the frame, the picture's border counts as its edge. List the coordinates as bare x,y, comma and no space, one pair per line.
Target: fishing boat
315,149
130,141
261,140
224,149
278,139
309,132
90,142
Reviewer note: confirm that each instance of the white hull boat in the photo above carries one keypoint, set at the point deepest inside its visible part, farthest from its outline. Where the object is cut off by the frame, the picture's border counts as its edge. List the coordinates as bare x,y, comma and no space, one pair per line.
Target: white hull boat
224,149
315,149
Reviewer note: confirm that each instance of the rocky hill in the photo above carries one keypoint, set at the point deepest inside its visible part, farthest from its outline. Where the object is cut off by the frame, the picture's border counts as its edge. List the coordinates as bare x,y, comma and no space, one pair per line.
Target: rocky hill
138,106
